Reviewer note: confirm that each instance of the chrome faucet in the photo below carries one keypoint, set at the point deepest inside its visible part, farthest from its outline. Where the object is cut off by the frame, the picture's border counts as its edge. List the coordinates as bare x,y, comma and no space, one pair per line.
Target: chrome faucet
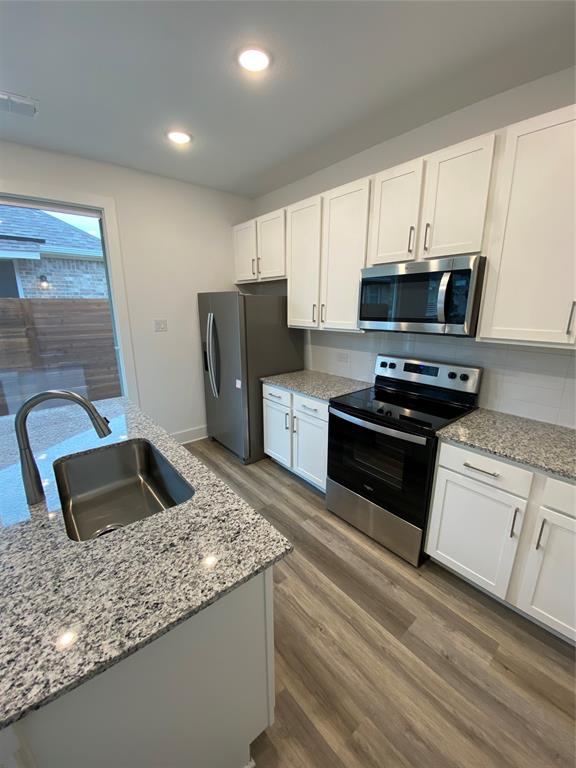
30,474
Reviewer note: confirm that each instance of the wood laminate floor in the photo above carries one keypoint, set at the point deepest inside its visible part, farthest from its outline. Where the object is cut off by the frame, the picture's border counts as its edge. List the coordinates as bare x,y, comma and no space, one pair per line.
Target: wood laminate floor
381,665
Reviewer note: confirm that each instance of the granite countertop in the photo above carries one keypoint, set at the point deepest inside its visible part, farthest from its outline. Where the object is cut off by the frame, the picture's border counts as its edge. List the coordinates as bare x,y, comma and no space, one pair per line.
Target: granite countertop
316,384
543,446
115,594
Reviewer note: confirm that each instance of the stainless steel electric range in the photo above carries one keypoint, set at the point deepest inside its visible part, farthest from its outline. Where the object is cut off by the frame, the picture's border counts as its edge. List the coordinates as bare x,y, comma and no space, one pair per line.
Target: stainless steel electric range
382,447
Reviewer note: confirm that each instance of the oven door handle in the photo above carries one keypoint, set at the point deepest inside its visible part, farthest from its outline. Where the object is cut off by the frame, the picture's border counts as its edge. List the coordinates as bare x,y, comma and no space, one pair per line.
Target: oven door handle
441,303
405,436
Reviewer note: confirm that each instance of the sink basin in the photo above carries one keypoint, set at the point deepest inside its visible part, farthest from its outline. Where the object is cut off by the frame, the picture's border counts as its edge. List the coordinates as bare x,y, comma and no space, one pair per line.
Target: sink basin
116,485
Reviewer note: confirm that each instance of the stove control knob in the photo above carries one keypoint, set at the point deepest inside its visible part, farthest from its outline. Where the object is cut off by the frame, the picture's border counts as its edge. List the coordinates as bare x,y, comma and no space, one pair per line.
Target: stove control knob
392,365
452,375
383,365
464,377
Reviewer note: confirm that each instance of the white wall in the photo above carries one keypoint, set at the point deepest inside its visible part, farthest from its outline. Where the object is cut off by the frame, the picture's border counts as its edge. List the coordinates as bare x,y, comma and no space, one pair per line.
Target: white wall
535,383
543,95
175,240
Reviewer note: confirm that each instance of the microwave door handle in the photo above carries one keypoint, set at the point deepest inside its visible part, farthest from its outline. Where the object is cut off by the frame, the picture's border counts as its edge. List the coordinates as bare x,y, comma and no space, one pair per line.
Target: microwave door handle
441,303
405,436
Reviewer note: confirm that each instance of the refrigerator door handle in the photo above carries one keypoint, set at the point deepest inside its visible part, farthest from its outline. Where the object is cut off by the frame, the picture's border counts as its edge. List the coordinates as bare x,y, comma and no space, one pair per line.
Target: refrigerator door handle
210,349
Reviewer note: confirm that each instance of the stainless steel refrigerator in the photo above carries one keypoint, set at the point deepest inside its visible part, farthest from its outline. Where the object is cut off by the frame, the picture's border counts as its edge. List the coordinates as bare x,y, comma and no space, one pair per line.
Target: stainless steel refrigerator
244,337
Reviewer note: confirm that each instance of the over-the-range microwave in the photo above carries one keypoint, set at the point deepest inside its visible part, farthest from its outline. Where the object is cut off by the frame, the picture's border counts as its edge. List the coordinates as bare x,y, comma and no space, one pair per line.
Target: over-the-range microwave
432,296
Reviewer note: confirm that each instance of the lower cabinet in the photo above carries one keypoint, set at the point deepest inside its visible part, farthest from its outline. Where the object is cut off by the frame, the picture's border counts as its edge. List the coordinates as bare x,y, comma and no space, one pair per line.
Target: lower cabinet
277,432
474,529
520,548
548,589
294,436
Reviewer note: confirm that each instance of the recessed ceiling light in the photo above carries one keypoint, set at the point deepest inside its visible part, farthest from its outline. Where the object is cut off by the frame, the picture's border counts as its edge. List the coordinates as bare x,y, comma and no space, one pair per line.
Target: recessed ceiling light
179,137
254,59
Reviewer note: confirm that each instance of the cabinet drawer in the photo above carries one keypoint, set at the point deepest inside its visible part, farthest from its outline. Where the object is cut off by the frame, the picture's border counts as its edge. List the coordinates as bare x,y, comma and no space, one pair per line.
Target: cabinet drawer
486,469
311,407
276,394
561,496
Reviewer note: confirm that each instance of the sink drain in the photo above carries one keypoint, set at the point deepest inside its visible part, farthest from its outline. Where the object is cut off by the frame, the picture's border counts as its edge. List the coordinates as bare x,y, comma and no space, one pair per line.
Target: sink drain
106,529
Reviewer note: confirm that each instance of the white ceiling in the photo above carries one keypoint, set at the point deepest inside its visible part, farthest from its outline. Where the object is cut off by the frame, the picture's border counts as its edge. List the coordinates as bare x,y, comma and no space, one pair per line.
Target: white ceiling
112,77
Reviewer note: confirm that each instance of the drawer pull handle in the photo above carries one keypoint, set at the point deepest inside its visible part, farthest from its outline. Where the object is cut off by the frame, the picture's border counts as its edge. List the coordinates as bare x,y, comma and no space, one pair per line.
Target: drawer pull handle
514,516
293,423
539,539
484,471
286,420
273,394
309,408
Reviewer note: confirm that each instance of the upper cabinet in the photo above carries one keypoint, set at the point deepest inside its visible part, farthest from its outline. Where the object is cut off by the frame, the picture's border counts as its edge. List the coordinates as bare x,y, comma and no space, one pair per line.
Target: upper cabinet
395,213
303,226
260,248
245,252
456,198
344,236
530,292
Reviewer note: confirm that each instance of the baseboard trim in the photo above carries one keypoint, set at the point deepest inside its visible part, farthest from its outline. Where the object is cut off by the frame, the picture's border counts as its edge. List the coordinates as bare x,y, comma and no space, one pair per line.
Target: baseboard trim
190,435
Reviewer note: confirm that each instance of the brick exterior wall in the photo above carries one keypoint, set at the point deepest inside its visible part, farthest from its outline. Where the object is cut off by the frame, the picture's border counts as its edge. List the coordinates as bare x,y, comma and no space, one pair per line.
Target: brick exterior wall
67,278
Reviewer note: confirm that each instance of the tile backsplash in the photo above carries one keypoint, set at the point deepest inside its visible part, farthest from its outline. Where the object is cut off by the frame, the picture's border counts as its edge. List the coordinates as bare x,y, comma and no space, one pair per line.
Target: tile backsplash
525,381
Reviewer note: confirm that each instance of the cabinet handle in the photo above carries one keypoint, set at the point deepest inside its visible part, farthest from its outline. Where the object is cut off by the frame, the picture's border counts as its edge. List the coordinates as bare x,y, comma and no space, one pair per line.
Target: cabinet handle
539,540
286,420
273,394
309,408
322,313
253,266
426,233
484,471
570,318
411,234
293,423
314,306
514,516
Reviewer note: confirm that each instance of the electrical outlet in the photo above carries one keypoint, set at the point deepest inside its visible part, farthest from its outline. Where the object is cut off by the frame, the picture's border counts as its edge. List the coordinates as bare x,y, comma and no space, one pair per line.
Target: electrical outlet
160,326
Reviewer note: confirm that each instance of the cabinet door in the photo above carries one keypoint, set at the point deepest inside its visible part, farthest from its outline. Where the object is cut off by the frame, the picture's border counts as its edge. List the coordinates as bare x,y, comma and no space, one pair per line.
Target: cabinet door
455,198
310,449
474,530
303,222
395,210
271,246
344,234
531,287
548,588
245,252
277,432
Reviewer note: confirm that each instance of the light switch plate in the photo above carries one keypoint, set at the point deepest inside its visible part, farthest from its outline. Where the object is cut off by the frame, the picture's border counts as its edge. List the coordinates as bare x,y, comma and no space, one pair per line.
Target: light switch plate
160,326
238,384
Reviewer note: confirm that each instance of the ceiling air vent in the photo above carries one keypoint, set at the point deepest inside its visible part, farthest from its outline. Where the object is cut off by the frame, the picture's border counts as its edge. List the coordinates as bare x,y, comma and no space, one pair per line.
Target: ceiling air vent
18,105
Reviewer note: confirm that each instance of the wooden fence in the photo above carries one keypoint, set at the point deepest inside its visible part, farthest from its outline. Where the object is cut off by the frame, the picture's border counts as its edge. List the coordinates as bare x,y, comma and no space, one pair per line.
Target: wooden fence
55,335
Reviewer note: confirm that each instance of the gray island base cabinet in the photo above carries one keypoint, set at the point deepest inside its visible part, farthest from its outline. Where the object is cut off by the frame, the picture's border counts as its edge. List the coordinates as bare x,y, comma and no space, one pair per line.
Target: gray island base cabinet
194,698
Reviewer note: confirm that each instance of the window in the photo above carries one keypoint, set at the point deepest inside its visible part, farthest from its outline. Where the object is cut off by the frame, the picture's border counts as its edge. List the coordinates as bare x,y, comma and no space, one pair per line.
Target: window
56,318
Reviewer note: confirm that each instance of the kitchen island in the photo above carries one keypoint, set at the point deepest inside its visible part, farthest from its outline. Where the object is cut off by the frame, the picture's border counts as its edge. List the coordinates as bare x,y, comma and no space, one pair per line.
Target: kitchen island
149,646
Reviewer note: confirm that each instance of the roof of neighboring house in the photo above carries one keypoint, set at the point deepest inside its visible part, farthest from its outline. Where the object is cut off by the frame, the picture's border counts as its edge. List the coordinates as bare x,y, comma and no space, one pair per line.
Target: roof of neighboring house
30,232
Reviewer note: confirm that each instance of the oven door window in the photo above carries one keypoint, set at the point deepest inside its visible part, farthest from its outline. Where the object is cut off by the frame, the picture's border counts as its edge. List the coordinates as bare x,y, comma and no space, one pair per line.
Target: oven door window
401,298
389,471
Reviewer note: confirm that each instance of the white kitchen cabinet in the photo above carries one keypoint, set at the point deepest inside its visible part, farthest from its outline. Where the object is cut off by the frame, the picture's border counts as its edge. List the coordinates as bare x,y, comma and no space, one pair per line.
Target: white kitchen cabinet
303,227
548,589
271,246
456,198
344,236
277,432
245,254
531,282
396,198
296,433
474,529
310,448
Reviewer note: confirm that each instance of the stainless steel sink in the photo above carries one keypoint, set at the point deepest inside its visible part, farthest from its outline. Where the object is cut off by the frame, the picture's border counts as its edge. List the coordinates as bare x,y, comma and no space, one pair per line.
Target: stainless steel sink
116,485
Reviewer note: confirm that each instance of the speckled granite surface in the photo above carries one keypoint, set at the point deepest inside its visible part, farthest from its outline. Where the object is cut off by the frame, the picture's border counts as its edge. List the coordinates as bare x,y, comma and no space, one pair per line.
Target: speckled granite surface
540,445
316,384
117,593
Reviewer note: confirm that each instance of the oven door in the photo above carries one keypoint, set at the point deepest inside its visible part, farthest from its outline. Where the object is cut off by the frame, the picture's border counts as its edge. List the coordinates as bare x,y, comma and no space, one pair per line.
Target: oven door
389,467
435,296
